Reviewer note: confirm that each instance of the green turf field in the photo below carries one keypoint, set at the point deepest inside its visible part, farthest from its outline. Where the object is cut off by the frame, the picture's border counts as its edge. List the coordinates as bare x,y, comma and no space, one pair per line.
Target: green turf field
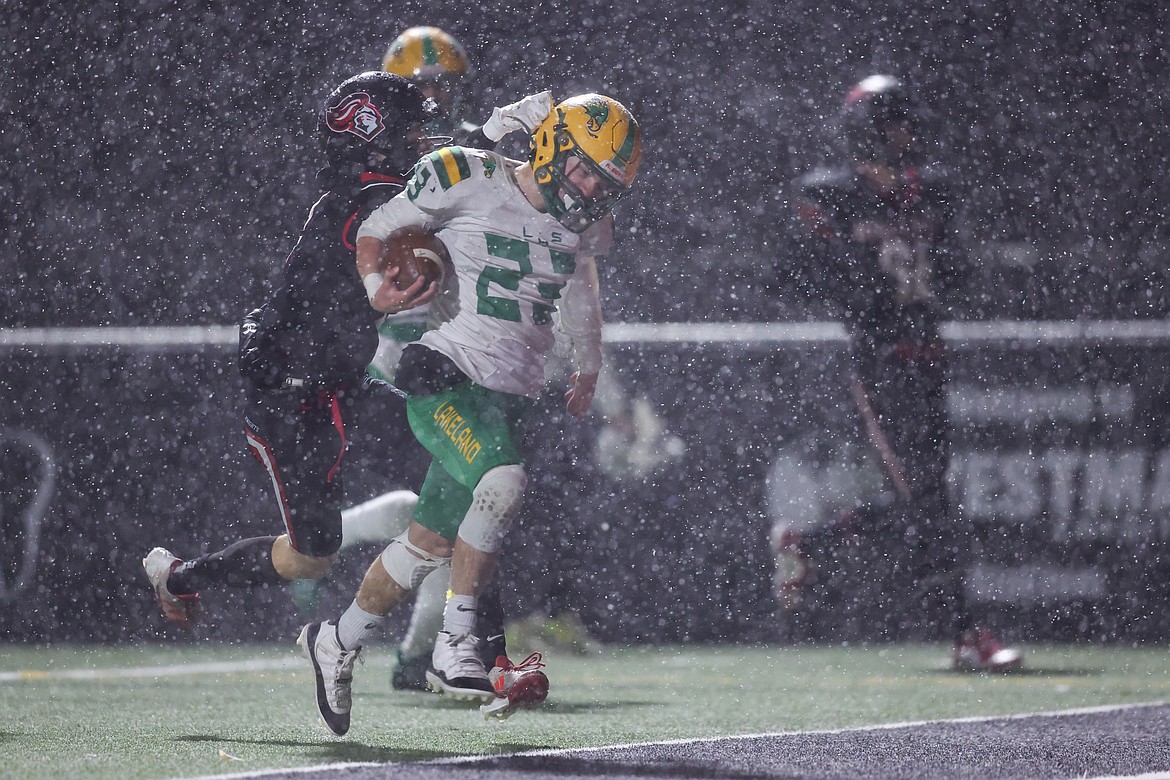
169,711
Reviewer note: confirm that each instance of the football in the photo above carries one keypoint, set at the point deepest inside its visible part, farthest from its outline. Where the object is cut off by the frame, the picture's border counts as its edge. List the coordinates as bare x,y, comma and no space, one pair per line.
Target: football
415,252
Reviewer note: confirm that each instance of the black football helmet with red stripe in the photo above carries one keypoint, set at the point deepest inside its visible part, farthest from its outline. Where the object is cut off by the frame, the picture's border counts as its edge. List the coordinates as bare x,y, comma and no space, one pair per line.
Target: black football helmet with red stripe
373,122
878,120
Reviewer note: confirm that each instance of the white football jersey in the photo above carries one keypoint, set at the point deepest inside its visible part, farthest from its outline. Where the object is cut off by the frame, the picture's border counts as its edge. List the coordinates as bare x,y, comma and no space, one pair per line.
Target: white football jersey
511,266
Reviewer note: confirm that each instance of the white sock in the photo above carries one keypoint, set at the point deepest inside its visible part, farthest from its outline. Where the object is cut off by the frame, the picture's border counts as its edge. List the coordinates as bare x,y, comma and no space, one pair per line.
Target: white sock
427,617
355,625
459,615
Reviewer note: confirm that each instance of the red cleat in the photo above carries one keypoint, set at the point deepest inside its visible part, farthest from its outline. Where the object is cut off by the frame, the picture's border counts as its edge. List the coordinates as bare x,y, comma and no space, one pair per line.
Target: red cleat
182,608
979,650
517,686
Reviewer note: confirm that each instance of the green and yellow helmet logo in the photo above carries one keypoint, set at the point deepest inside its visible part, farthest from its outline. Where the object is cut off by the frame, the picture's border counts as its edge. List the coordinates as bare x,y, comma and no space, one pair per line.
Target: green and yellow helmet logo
598,127
597,113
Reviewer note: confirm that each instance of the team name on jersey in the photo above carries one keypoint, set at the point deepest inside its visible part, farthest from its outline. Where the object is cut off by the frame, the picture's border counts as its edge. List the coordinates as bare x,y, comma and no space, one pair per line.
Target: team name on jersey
455,426
555,238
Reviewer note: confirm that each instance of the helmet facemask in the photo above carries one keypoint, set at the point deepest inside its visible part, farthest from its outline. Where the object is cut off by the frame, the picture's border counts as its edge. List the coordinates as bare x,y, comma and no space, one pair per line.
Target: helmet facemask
401,151
436,62
446,89
565,201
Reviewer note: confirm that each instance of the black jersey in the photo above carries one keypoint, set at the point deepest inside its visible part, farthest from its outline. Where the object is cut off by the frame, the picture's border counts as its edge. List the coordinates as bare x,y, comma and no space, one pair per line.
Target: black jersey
318,328
889,292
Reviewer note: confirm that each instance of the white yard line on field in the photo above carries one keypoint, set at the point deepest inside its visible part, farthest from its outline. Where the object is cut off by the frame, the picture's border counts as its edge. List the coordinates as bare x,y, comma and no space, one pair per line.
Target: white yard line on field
178,670
264,665
856,729
734,738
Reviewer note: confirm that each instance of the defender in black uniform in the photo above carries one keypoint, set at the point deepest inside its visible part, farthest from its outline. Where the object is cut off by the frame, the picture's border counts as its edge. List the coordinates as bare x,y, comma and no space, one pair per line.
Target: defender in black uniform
885,255
308,346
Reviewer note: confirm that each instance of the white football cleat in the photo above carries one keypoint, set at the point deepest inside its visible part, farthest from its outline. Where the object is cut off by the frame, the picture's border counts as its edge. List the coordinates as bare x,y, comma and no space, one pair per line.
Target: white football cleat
333,667
457,670
182,608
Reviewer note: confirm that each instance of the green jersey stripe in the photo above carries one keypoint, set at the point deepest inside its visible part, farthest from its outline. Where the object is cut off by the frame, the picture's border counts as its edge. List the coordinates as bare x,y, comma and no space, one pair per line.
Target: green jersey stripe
451,166
460,162
440,166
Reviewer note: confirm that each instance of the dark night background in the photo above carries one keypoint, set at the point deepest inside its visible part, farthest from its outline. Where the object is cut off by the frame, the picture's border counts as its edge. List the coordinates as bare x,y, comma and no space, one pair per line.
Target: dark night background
157,160
158,157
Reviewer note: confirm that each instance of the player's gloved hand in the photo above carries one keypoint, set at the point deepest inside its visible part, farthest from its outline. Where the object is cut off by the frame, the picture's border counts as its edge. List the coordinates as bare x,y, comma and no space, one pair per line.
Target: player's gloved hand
258,359
526,115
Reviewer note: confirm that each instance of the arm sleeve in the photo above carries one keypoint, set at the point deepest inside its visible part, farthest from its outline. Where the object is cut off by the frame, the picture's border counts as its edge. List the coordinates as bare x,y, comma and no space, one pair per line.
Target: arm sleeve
580,312
477,140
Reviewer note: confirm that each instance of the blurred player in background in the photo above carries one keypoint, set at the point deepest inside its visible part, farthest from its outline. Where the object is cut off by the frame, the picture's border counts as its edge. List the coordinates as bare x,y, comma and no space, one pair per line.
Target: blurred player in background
303,354
436,62
885,255
524,239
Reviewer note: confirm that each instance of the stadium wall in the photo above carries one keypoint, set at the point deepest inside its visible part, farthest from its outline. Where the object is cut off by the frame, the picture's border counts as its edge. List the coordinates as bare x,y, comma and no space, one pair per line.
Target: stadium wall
115,440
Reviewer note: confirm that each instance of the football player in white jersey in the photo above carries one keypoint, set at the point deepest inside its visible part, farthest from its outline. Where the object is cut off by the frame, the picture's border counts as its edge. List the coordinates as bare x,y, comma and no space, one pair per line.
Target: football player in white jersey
523,239
437,63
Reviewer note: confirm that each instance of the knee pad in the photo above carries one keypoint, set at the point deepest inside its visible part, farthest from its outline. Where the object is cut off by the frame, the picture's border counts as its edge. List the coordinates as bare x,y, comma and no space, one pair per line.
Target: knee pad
407,564
494,504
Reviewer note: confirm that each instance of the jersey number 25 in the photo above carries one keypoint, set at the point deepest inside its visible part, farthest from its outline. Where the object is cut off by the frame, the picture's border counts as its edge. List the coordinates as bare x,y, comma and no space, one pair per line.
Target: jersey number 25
517,251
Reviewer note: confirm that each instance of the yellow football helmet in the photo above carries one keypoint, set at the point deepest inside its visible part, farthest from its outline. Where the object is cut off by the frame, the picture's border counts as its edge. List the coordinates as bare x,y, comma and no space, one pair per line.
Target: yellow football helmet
435,61
423,53
601,133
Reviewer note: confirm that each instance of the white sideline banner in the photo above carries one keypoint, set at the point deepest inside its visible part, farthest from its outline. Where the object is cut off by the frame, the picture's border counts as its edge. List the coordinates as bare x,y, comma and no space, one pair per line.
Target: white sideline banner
1024,333
1060,468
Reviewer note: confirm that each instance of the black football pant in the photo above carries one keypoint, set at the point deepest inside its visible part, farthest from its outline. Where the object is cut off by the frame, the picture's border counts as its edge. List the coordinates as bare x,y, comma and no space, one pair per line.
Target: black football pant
902,405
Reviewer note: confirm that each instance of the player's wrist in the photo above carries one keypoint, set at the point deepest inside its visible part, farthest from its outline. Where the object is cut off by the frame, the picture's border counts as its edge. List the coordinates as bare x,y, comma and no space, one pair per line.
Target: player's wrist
372,282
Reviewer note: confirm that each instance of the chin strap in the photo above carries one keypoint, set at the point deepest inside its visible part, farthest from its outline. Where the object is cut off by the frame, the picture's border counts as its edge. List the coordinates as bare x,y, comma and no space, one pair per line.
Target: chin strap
369,177
356,177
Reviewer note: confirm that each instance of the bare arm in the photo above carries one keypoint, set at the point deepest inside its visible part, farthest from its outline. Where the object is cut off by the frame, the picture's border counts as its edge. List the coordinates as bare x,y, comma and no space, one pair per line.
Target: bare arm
581,321
580,393
369,256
